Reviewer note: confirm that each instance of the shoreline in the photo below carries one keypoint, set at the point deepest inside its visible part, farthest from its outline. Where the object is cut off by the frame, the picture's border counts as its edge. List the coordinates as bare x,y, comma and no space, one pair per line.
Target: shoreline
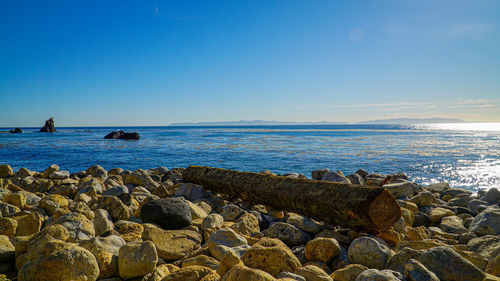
106,217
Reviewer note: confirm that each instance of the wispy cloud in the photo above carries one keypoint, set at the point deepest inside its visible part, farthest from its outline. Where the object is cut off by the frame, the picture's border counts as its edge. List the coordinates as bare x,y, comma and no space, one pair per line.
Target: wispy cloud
470,31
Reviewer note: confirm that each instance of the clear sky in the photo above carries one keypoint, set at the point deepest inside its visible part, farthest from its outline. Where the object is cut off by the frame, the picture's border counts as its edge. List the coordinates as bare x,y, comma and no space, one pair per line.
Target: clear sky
158,62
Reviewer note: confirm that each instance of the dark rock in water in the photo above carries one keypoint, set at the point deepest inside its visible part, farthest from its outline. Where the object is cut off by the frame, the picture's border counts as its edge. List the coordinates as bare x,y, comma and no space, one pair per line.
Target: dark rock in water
49,126
16,131
169,213
121,135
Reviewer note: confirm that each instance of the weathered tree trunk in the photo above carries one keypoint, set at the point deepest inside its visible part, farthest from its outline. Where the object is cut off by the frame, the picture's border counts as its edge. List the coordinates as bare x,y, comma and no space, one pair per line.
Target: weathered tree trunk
371,209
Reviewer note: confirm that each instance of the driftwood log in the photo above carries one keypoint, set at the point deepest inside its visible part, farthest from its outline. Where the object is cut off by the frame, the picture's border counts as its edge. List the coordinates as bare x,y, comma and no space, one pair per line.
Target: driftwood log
366,208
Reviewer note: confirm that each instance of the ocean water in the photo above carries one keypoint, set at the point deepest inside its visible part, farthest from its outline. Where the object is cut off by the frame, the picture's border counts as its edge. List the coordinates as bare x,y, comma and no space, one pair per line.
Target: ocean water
465,155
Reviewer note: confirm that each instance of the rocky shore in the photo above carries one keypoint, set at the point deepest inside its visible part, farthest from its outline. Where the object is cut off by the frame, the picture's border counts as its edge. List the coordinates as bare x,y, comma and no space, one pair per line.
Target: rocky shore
152,225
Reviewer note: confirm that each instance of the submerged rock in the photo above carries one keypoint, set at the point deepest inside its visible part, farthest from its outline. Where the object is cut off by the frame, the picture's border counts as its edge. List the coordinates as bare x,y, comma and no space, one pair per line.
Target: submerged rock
16,131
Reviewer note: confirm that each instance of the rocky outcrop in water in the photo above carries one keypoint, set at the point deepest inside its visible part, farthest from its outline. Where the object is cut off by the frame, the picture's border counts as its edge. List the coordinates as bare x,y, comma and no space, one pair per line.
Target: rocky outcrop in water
49,126
16,131
121,135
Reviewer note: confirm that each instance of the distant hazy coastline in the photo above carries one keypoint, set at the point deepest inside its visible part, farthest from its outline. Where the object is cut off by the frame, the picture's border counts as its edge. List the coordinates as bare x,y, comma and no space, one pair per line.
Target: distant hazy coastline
397,121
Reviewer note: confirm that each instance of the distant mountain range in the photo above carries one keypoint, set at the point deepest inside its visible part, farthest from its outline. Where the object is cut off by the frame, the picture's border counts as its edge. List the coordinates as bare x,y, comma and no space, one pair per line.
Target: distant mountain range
409,121
398,121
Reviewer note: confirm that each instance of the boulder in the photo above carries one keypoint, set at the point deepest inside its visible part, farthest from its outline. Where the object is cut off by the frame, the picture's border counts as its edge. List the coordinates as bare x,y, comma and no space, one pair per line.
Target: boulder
313,273
97,172
291,235
491,196
191,191
398,261
423,199
304,223
201,260
415,271
322,249
243,273
172,244
272,256
169,213
437,187
402,189
7,250
318,174
105,250
49,126
438,213
16,131
448,265
121,135
378,275
369,252
137,259
335,177
452,224
60,261
193,273
78,226
246,224
487,222
115,207
6,171
102,222
348,273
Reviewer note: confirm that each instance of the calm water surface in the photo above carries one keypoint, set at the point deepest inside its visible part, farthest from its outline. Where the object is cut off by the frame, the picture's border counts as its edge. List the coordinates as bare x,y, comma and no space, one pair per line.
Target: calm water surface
465,155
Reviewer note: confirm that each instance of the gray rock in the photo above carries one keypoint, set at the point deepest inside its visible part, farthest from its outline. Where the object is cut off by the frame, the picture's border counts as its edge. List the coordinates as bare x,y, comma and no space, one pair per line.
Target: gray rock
115,191
378,275
448,265
369,252
454,192
487,222
97,172
398,261
290,276
304,223
474,205
362,173
168,213
356,179
335,177
491,196
415,271
437,187
289,234
402,189
191,191
318,174
59,175
488,246
231,212
452,224
423,199
212,221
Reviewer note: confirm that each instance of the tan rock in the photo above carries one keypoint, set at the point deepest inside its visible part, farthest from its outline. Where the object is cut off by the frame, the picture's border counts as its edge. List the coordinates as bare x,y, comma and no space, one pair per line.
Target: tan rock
348,273
391,237
228,261
419,245
418,233
29,224
78,226
193,273
438,213
6,171
172,244
313,273
322,249
17,199
7,250
246,224
408,216
105,250
415,271
52,202
202,260
137,259
8,227
102,222
129,231
272,256
369,252
160,272
196,211
60,261
243,273
493,266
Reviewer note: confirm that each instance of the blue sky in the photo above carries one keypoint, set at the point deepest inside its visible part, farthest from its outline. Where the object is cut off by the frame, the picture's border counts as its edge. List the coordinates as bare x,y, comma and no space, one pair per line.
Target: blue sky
158,62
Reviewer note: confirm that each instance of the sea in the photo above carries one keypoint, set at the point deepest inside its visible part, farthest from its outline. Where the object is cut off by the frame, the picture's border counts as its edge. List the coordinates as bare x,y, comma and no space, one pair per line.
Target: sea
466,155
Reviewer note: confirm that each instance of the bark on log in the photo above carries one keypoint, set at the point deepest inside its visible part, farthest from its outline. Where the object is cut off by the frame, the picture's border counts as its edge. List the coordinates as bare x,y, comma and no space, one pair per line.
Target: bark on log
372,209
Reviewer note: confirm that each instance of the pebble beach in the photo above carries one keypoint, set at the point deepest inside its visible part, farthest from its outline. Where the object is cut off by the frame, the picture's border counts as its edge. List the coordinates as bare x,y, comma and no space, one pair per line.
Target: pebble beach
153,225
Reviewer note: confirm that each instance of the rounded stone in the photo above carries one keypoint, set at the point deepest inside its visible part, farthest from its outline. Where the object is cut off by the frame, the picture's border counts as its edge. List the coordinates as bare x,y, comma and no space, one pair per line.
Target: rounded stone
168,213
369,252
322,249
289,234
137,259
